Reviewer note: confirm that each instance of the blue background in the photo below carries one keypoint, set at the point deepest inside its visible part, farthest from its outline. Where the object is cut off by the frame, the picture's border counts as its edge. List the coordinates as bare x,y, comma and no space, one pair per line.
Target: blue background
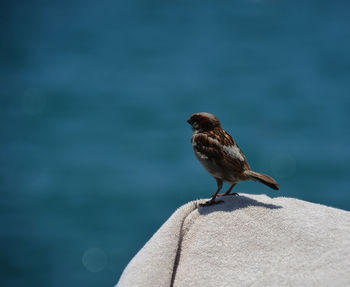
95,150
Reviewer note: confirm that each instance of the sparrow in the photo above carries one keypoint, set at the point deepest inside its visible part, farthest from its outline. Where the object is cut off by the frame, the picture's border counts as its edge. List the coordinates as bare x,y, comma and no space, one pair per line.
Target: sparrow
220,155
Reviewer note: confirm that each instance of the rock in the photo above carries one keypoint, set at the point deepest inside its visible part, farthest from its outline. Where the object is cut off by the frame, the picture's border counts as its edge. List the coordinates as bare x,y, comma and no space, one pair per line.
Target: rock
249,240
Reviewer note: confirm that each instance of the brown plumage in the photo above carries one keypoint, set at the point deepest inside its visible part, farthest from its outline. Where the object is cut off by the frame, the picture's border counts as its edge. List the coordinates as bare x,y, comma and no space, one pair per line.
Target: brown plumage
220,155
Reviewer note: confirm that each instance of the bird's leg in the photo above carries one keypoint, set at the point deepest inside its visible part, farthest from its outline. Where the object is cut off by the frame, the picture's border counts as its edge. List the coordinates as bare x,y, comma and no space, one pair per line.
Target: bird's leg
229,190
212,200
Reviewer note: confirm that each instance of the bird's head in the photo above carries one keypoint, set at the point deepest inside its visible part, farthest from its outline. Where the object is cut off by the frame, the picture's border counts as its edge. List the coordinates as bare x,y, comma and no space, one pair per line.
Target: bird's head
203,122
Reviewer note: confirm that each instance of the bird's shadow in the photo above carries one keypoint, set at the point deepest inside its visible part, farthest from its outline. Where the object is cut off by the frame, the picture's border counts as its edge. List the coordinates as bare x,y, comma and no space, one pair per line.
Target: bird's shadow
233,203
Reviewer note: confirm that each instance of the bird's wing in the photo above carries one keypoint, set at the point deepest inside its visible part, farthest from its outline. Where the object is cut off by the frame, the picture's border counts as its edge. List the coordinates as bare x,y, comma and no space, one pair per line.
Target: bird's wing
231,149
207,146
226,155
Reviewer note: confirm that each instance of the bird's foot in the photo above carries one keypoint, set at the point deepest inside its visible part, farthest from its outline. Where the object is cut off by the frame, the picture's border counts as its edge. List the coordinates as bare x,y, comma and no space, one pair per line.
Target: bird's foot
211,202
226,194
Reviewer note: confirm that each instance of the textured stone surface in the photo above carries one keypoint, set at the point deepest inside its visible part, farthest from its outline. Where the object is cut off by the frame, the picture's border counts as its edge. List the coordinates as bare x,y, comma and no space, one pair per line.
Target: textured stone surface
249,240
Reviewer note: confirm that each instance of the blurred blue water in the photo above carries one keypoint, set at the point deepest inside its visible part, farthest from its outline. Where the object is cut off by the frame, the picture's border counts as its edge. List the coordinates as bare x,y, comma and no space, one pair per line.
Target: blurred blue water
95,151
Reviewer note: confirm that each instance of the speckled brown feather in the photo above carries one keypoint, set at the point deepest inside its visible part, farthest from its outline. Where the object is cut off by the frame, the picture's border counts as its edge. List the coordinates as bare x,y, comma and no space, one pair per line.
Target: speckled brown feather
206,145
211,144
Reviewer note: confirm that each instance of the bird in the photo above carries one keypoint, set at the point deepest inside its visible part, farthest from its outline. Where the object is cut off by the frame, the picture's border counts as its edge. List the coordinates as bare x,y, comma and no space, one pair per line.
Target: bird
220,155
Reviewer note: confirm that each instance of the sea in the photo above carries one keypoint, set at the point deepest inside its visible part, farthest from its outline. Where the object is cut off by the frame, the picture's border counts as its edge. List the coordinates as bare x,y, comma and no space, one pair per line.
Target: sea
95,148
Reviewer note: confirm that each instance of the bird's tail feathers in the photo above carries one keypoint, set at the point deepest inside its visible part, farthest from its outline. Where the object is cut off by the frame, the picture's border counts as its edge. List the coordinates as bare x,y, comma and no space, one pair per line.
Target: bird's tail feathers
264,179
